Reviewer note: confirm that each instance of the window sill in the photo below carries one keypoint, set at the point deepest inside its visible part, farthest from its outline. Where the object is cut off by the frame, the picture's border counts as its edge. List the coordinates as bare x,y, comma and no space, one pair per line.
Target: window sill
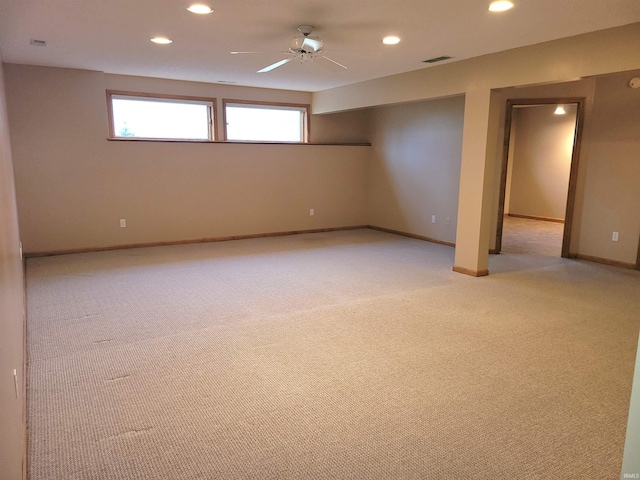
234,142
172,140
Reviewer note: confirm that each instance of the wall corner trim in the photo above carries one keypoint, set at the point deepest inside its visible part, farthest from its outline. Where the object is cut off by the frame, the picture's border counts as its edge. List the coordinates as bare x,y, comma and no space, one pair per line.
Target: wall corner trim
412,235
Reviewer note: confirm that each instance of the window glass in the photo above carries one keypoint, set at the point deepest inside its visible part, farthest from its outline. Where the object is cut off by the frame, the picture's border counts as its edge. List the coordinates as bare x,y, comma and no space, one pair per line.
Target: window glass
161,118
265,123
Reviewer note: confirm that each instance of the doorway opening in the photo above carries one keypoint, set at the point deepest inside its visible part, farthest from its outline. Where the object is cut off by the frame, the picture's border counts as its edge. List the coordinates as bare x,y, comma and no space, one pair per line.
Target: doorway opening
539,172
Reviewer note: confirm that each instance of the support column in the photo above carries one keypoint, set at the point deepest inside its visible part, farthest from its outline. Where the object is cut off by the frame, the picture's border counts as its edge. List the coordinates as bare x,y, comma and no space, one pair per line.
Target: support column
476,182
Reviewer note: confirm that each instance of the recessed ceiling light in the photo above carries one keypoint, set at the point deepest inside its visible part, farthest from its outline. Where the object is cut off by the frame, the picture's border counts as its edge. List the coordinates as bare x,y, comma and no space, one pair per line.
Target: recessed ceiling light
161,40
200,9
560,110
500,6
391,40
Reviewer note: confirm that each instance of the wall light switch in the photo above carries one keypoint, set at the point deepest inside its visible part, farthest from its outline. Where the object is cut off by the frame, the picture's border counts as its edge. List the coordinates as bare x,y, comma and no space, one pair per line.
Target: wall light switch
433,219
123,223
312,212
447,221
614,237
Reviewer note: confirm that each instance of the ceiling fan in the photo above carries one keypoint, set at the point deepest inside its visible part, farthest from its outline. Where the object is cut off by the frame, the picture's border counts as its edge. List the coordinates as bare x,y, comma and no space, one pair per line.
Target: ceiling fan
305,48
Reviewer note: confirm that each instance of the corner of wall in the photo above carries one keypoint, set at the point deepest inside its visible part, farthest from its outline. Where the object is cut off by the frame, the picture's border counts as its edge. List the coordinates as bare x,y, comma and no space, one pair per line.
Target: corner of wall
12,314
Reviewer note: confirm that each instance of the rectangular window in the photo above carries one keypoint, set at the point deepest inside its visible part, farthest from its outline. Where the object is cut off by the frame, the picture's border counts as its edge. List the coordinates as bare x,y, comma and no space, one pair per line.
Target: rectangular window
160,117
265,122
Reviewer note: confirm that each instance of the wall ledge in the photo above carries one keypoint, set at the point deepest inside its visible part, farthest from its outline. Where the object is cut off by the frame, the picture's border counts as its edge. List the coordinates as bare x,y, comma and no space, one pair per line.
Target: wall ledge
182,140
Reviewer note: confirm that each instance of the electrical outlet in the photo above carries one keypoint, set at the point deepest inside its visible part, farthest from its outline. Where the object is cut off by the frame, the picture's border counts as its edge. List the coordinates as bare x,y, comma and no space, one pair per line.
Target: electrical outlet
123,223
614,237
312,212
433,219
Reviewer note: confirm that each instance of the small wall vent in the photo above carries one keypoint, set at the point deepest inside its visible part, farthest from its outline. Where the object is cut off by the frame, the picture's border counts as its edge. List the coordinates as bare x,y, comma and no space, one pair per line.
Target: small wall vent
437,59
38,43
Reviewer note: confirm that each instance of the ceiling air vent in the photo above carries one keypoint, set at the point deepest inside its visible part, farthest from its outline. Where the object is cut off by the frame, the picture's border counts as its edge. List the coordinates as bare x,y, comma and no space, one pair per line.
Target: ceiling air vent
437,59
38,43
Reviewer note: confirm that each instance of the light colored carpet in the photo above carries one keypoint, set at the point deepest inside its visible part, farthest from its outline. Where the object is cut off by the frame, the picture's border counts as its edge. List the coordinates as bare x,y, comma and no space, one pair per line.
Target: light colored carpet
345,355
534,237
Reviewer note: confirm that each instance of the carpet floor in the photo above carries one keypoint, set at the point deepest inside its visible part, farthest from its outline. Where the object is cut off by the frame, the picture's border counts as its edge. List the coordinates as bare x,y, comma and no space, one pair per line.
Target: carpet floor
344,355
534,237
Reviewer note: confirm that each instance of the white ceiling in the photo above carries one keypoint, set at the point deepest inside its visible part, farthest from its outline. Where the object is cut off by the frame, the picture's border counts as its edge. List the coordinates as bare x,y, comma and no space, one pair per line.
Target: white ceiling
113,36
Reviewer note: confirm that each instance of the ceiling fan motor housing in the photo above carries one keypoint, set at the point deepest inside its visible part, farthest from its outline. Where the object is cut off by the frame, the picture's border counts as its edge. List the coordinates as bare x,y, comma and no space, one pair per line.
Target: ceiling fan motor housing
305,44
305,29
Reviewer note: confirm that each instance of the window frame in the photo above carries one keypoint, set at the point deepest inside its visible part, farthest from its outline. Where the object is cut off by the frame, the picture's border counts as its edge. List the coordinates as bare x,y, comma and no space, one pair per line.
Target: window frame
302,107
208,101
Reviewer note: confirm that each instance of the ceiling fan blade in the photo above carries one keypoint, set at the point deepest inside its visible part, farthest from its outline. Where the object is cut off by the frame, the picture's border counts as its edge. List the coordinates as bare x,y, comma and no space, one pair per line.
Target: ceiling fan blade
333,61
275,65
241,53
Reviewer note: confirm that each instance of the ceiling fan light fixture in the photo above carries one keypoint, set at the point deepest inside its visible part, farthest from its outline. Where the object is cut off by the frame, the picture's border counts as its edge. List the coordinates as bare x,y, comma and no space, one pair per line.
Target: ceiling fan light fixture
500,6
305,44
391,40
200,9
161,40
296,44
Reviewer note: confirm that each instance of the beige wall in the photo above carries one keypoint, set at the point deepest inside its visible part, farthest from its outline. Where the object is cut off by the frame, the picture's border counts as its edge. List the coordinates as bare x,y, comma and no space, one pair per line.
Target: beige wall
612,183
415,168
11,313
73,185
541,161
